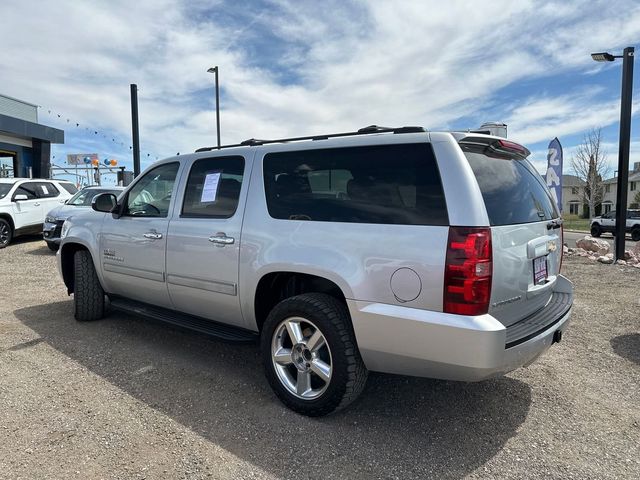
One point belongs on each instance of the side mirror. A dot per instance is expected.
(105, 202)
(20, 197)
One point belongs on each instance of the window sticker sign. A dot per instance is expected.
(210, 188)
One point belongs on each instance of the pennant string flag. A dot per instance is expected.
(115, 140)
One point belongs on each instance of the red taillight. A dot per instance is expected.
(514, 147)
(467, 273)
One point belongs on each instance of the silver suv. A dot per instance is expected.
(391, 250)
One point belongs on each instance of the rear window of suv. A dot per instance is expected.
(382, 184)
(513, 191)
(69, 187)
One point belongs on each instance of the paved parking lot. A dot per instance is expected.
(128, 398)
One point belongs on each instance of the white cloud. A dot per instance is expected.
(349, 64)
(543, 118)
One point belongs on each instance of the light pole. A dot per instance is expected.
(135, 129)
(215, 70)
(624, 143)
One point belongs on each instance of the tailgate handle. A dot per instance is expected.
(542, 246)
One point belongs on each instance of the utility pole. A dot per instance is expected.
(135, 130)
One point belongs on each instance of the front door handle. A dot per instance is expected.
(153, 235)
(37, 204)
(221, 239)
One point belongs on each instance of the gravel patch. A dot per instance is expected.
(129, 398)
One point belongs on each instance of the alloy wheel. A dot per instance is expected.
(4, 234)
(301, 358)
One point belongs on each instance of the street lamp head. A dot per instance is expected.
(212, 70)
(603, 57)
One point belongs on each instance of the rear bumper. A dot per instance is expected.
(409, 341)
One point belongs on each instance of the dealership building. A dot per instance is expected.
(25, 144)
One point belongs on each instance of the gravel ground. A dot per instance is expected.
(129, 398)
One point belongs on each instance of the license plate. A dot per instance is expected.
(539, 270)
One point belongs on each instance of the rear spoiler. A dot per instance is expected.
(495, 147)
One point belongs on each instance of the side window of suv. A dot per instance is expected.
(213, 187)
(382, 184)
(28, 189)
(151, 195)
(46, 190)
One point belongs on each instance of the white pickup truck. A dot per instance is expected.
(606, 223)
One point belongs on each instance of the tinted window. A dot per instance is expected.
(4, 189)
(47, 190)
(151, 195)
(28, 189)
(388, 184)
(513, 190)
(213, 187)
(69, 187)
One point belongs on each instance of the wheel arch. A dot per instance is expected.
(8, 218)
(273, 287)
(67, 253)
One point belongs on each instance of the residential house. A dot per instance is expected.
(611, 190)
(573, 202)
(572, 195)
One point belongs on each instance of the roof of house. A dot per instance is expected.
(571, 181)
(633, 177)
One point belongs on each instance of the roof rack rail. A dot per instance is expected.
(254, 142)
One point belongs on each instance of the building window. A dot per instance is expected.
(574, 190)
(606, 207)
(607, 189)
(573, 208)
(632, 186)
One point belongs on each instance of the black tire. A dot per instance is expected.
(348, 373)
(6, 233)
(88, 295)
(596, 230)
(635, 234)
(52, 246)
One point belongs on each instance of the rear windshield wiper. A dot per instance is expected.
(553, 224)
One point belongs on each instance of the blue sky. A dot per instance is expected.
(290, 68)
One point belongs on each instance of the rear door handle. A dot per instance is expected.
(221, 239)
(153, 235)
(37, 204)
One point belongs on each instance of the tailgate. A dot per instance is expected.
(526, 262)
(525, 227)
